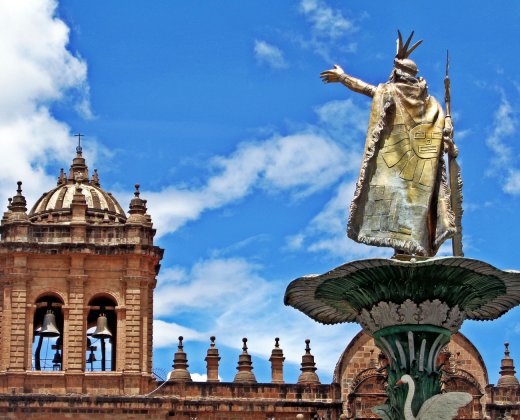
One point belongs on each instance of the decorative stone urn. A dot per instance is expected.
(411, 308)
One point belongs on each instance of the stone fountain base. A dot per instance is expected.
(411, 308)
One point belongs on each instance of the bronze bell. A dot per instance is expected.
(57, 358)
(91, 357)
(49, 328)
(102, 330)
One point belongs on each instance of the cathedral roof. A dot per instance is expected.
(59, 199)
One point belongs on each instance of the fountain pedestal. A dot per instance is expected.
(411, 308)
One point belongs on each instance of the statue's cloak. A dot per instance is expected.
(402, 198)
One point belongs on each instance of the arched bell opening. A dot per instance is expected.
(101, 335)
(47, 348)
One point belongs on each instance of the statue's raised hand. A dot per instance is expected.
(332, 75)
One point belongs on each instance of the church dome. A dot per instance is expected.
(58, 201)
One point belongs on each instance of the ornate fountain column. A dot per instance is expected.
(411, 308)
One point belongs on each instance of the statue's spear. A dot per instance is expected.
(454, 169)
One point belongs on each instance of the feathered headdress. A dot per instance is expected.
(401, 60)
(402, 50)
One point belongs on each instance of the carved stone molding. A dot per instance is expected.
(387, 314)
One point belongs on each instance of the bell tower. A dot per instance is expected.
(76, 290)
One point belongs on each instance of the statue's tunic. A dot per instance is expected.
(402, 195)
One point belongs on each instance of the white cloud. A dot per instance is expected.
(37, 70)
(310, 160)
(236, 301)
(333, 217)
(330, 29)
(325, 20)
(269, 54)
(462, 134)
(300, 163)
(199, 377)
(294, 242)
(503, 165)
(504, 125)
(196, 377)
(344, 116)
(166, 334)
(512, 184)
(211, 285)
(327, 234)
(240, 245)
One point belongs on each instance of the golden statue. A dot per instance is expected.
(402, 198)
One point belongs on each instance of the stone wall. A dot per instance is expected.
(195, 400)
(503, 403)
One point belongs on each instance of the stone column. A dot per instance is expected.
(133, 345)
(212, 360)
(145, 313)
(29, 337)
(74, 334)
(18, 324)
(121, 338)
(148, 337)
(75, 326)
(277, 360)
(5, 344)
(132, 350)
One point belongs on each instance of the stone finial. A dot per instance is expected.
(95, 178)
(277, 360)
(212, 360)
(148, 217)
(507, 370)
(18, 204)
(78, 169)
(137, 205)
(308, 375)
(62, 178)
(7, 214)
(245, 367)
(137, 208)
(180, 365)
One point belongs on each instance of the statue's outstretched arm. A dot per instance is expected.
(338, 75)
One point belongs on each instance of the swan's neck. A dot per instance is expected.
(408, 414)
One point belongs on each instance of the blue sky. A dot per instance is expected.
(247, 160)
